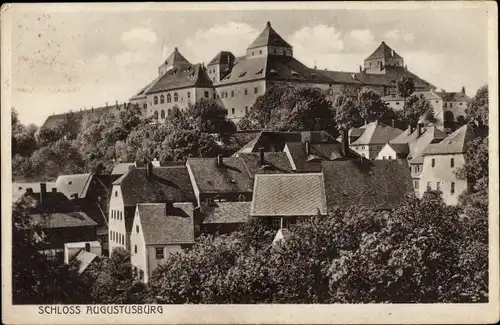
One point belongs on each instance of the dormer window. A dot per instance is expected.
(273, 71)
(295, 73)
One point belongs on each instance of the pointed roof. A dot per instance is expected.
(269, 37)
(384, 51)
(181, 77)
(176, 59)
(377, 133)
(223, 57)
(457, 142)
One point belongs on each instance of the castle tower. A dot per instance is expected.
(269, 43)
(175, 60)
(382, 58)
(220, 66)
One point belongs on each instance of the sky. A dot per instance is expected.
(70, 60)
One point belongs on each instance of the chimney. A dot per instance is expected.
(366, 121)
(87, 247)
(392, 53)
(307, 148)
(268, 24)
(261, 156)
(149, 170)
(29, 190)
(406, 67)
(345, 142)
(463, 90)
(92, 109)
(419, 129)
(116, 104)
(43, 192)
(54, 190)
(410, 129)
(360, 69)
(393, 123)
(219, 160)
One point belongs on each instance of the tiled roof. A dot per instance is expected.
(223, 57)
(74, 184)
(457, 142)
(317, 153)
(288, 195)
(62, 220)
(84, 259)
(53, 120)
(371, 184)
(19, 189)
(232, 176)
(384, 51)
(340, 76)
(429, 135)
(274, 162)
(182, 77)
(275, 141)
(453, 96)
(142, 93)
(226, 212)
(400, 149)
(176, 59)
(377, 133)
(167, 184)
(404, 137)
(269, 37)
(162, 227)
(122, 168)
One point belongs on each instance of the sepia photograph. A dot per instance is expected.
(249, 155)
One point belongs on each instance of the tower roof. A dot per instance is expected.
(269, 37)
(384, 51)
(223, 57)
(176, 59)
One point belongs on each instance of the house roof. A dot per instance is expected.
(52, 201)
(74, 184)
(453, 96)
(341, 76)
(122, 168)
(378, 184)
(377, 133)
(288, 195)
(62, 220)
(82, 244)
(404, 137)
(19, 189)
(223, 57)
(167, 184)
(274, 162)
(142, 93)
(181, 77)
(226, 212)
(430, 135)
(275, 141)
(383, 51)
(84, 259)
(232, 176)
(162, 227)
(269, 37)
(456, 142)
(400, 148)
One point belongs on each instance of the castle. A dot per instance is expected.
(236, 82)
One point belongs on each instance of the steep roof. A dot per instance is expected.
(223, 57)
(401, 149)
(430, 135)
(176, 59)
(372, 184)
(74, 184)
(275, 141)
(84, 259)
(181, 77)
(377, 133)
(226, 212)
(274, 162)
(167, 184)
(269, 37)
(122, 168)
(19, 189)
(383, 51)
(142, 93)
(288, 195)
(162, 227)
(62, 220)
(457, 142)
(340, 76)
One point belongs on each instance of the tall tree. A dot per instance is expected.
(405, 87)
(371, 106)
(346, 113)
(477, 109)
(417, 109)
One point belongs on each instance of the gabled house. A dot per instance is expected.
(144, 185)
(283, 199)
(441, 162)
(19, 189)
(222, 217)
(159, 230)
(374, 137)
(121, 169)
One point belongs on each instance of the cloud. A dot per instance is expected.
(318, 39)
(396, 35)
(206, 43)
(137, 37)
(133, 57)
(392, 34)
(364, 36)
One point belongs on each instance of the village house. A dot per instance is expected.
(441, 162)
(71, 250)
(222, 217)
(284, 199)
(144, 185)
(159, 230)
(373, 138)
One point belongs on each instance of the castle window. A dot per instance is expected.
(162, 114)
(437, 101)
(452, 189)
(256, 90)
(176, 97)
(246, 91)
(155, 100)
(145, 106)
(433, 162)
(207, 95)
(162, 99)
(260, 51)
(232, 93)
(169, 98)
(232, 110)
(155, 115)
(429, 186)
(445, 105)
(189, 94)
(451, 105)
(397, 103)
(415, 184)
(215, 95)
(135, 249)
(452, 162)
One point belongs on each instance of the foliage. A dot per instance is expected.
(372, 107)
(182, 144)
(346, 113)
(207, 116)
(477, 109)
(405, 87)
(417, 110)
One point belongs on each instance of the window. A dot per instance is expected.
(162, 114)
(256, 90)
(260, 51)
(276, 223)
(246, 91)
(189, 94)
(397, 103)
(246, 109)
(162, 99)
(155, 100)
(461, 103)
(433, 162)
(389, 157)
(452, 189)
(141, 274)
(428, 186)
(116, 193)
(169, 98)
(176, 97)
(135, 249)
(383, 158)
(437, 101)
(232, 110)
(232, 93)
(452, 162)
(207, 95)
(137, 228)
(253, 53)
(445, 104)
(437, 186)
(159, 253)
(451, 105)
(145, 106)
(155, 115)
(415, 184)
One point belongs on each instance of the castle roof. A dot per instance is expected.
(177, 59)
(181, 77)
(269, 37)
(223, 57)
(453, 96)
(53, 120)
(384, 51)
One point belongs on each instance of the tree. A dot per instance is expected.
(371, 106)
(182, 144)
(417, 109)
(477, 108)
(405, 87)
(346, 113)
(208, 116)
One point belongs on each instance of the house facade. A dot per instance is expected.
(373, 138)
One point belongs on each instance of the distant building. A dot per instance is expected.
(373, 138)
(441, 162)
(159, 230)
